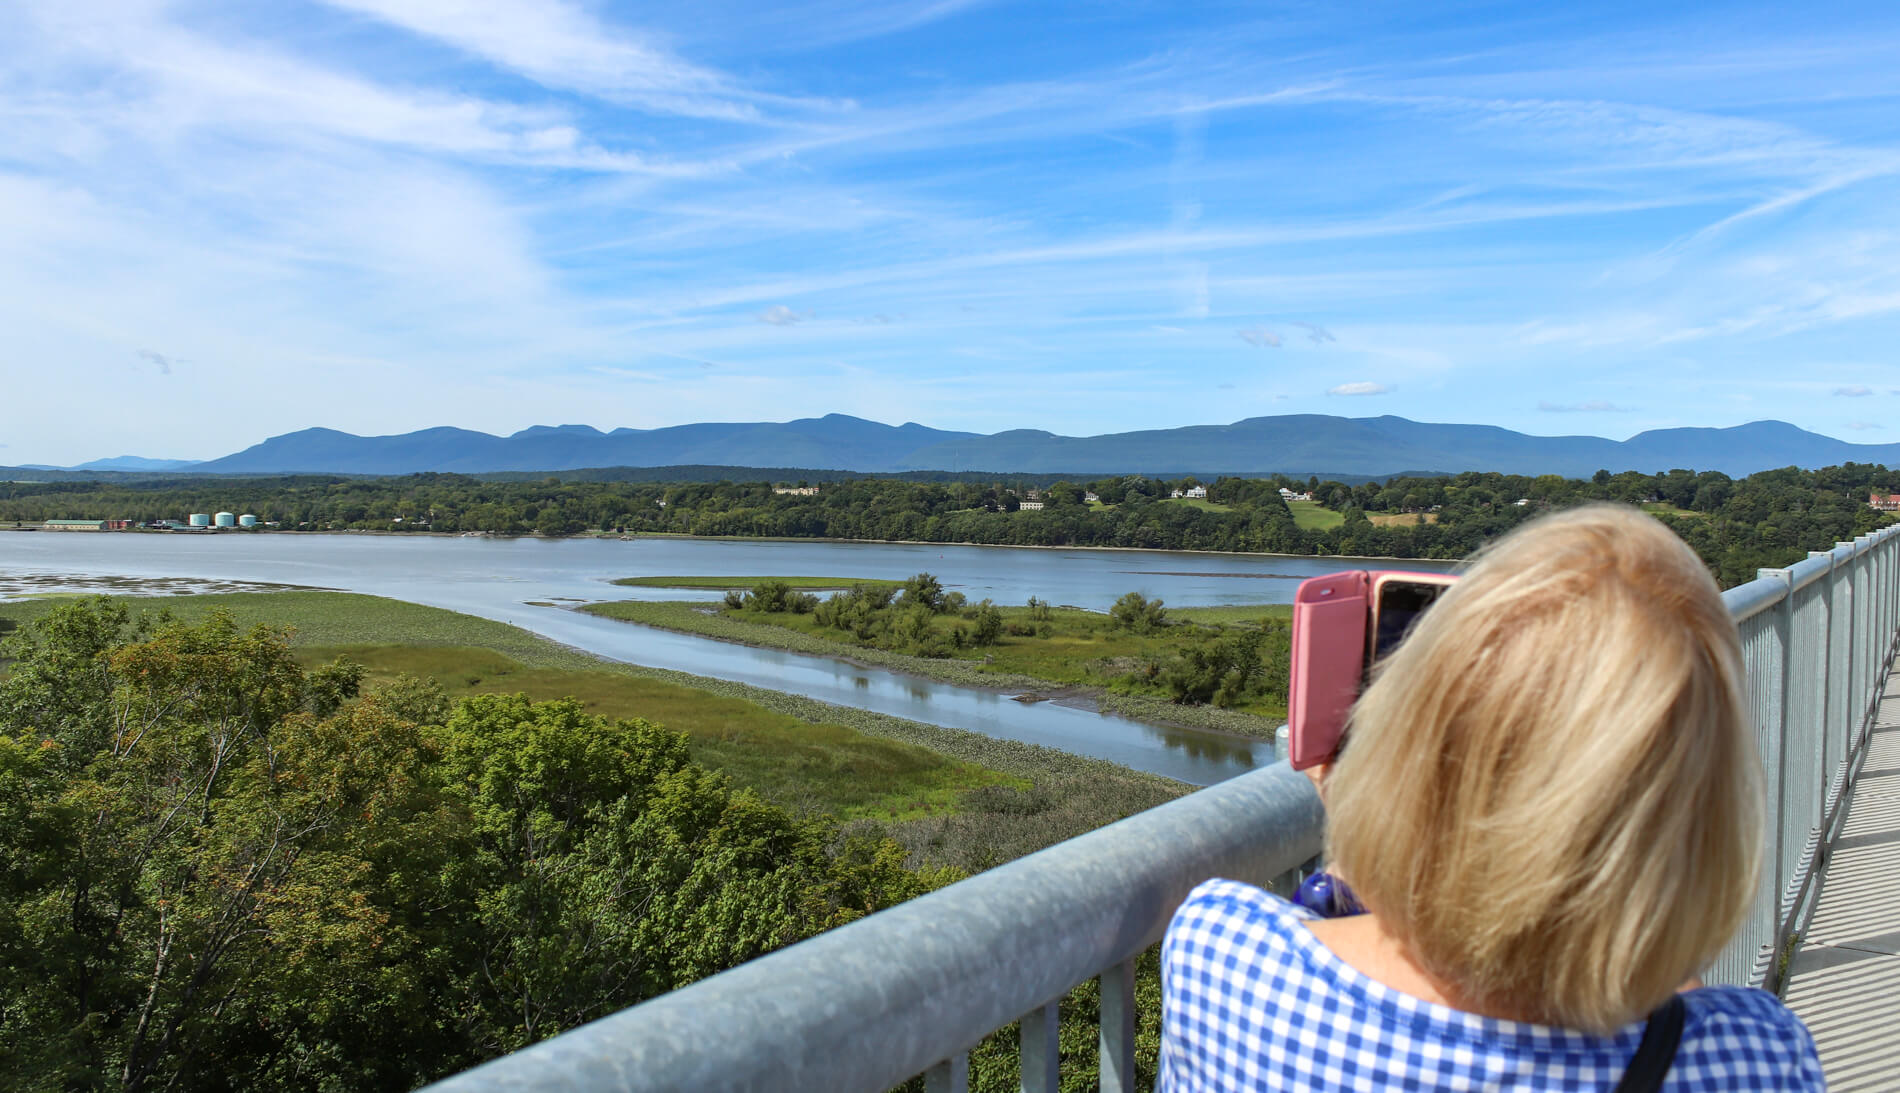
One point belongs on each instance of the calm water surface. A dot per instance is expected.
(496, 579)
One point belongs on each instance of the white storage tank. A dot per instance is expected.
(227, 520)
(201, 519)
(247, 521)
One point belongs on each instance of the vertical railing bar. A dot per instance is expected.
(1042, 1054)
(1784, 623)
(1117, 1039)
(1825, 694)
(1872, 652)
(950, 1076)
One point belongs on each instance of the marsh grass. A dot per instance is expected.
(344, 618)
(810, 767)
(1248, 614)
(1074, 652)
(952, 797)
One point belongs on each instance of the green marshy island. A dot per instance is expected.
(1223, 668)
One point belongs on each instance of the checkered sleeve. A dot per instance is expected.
(1736, 1038)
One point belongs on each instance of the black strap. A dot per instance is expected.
(1650, 1065)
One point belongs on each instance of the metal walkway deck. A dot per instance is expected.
(1845, 978)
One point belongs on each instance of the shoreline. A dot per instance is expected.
(983, 546)
(636, 536)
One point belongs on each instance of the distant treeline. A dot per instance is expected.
(1737, 525)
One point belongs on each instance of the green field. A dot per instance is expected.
(1664, 508)
(1197, 503)
(1233, 614)
(952, 797)
(1312, 516)
(718, 583)
(341, 618)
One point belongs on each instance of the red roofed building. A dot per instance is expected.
(1884, 502)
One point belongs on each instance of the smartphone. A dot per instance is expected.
(1342, 624)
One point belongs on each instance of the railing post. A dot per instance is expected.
(1813, 853)
(1775, 784)
(1117, 1039)
(1042, 1051)
(1885, 599)
(1840, 683)
(950, 1076)
(1870, 655)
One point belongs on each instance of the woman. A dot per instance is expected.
(1550, 808)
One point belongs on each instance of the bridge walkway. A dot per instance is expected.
(1844, 980)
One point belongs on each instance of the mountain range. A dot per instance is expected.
(134, 463)
(1296, 444)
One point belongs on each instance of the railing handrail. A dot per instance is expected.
(875, 1002)
(870, 1004)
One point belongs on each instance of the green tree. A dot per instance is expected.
(987, 624)
(1138, 613)
(922, 590)
(1225, 671)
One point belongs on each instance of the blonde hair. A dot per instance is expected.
(1549, 793)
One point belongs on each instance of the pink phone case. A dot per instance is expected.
(1330, 615)
(1332, 619)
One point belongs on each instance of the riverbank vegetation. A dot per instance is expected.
(1147, 660)
(223, 870)
(233, 858)
(1736, 525)
(953, 798)
(742, 583)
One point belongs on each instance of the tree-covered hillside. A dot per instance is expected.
(220, 871)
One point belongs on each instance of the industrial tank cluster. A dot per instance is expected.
(222, 520)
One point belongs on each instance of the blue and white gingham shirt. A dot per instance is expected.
(1251, 1000)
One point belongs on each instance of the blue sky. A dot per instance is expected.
(224, 221)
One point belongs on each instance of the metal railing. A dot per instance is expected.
(1818, 641)
(910, 990)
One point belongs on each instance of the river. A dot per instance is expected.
(501, 579)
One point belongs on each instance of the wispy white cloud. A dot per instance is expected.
(508, 201)
(1361, 387)
(1857, 390)
(180, 82)
(1862, 426)
(792, 26)
(780, 315)
(560, 45)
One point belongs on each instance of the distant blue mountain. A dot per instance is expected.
(1299, 444)
(135, 463)
(834, 441)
